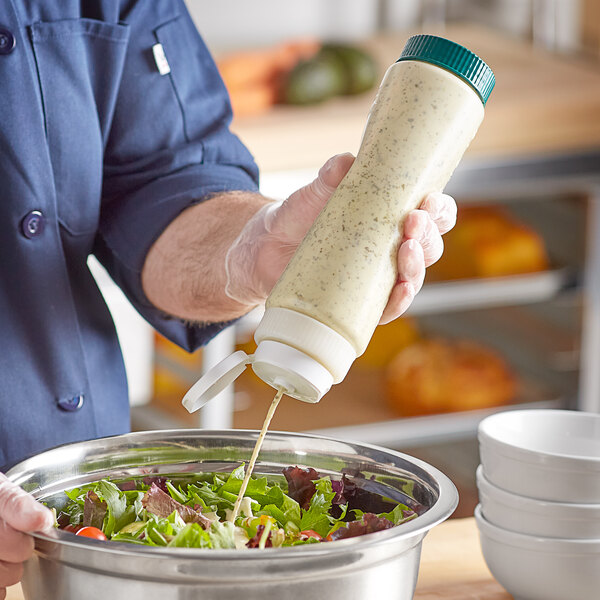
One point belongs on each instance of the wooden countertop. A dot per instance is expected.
(542, 104)
(452, 566)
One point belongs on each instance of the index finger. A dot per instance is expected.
(20, 510)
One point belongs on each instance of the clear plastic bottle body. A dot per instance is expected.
(420, 124)
(330, 298)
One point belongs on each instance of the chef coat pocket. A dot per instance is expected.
(197, 84)
(79, 64)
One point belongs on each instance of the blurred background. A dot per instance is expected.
(555, 23)
(511, 314)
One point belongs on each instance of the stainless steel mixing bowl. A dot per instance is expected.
(379, 565)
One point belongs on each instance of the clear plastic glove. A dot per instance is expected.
(19, 515)
(261, 252)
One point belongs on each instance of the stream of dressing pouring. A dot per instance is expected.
(213, 382)
(254, 457)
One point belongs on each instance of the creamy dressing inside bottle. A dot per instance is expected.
(330, 298)
(421, 123)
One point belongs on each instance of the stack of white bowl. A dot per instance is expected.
(539, 502)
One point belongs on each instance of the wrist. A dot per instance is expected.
(184, 274)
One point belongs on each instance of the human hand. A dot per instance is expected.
(259, 256)
(421, 246)
(262, 251)
(19, 514)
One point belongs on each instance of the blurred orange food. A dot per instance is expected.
(489, 242)
(253, 77)
(387, 341)
(439, 376)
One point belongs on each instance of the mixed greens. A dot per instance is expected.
(304, 508)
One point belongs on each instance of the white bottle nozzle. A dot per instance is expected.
(280, 366)
(284, 367)
(306, 374)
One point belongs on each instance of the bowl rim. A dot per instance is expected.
(534, 505)
(486, 436)
(538, 543)
(444, 506)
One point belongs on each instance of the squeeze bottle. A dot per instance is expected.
(323, 311)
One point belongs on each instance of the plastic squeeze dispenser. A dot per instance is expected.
(323, 311)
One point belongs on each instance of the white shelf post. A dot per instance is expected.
(218, 413)
(589, 379)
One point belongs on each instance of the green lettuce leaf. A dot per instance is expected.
(210, 499)
(177, 494)
(317, 516)
(117, 505)
(222, 535)
(399, 514)
(192, 536)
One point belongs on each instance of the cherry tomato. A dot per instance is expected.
(72, 528)
(308, 533)
(91, 532)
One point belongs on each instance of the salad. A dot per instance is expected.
(305, 508)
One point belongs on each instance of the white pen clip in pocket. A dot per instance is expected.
(160, 58)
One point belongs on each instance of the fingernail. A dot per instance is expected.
(46, 517)
(410, 268)
(418, 224)
(434, 204)
(329, 164)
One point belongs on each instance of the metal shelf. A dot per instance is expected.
(484, 293)
(420, 431)
(467, 294)
(413, 431)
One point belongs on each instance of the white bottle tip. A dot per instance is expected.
(284, 367)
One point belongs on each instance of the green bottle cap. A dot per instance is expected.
(454, 58)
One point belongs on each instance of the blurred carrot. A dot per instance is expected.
(247, 68)
(252, 99)
(290, 53)
(253, 77)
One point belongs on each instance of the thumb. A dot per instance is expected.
(299, 211)
(19, 509)
(330, 175)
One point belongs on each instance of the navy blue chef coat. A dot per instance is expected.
(98, 153)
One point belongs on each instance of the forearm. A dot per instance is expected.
(184, 273)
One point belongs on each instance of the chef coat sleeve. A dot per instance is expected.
(169, 147)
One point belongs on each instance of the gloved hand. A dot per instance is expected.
(261, 252)
(19, 514)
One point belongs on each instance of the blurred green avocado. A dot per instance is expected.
(335, 70)
(359, 67)
(314, 80)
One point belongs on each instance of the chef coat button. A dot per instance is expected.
(33, 224)
(7, 41)
(72, 403)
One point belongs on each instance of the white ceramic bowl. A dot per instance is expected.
(538, 568)
(544, 454)
(536, 517)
